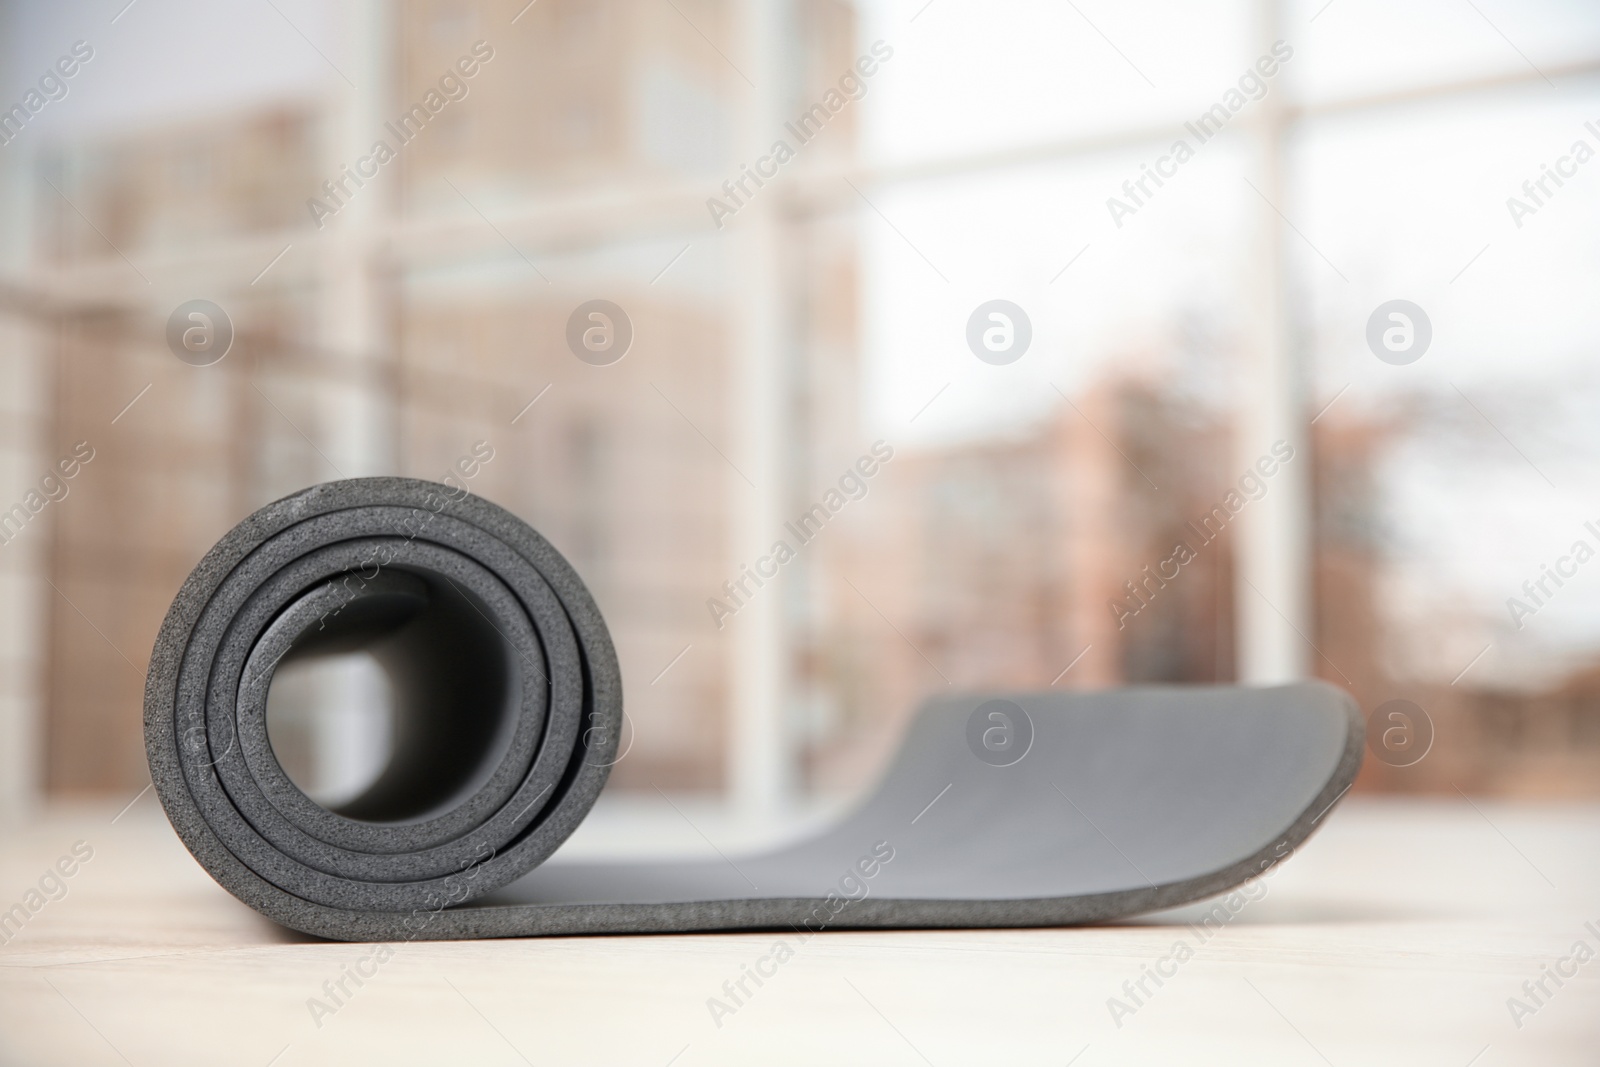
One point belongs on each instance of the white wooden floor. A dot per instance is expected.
(1396, 936)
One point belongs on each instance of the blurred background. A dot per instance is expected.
(398, 311)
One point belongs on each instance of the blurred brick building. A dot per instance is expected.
(618, 466)
(417, 325)
(999, 563)
(1488, 738)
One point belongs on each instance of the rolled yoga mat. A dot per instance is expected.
(1019, 809)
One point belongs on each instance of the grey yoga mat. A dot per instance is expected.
(1001, 809)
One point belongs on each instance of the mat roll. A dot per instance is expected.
(1001, 809)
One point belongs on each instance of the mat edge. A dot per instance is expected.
(746, 915)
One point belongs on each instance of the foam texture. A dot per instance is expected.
(1000, 809)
